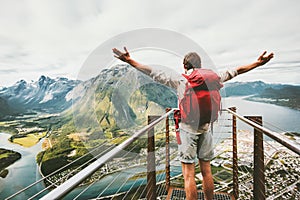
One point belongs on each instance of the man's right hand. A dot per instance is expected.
(121, 55)
(126, 58)
(262, 59)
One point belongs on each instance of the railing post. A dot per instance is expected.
(167, 152)
(151, 170)
(259, 167)
(234, 156)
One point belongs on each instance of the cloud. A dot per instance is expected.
(7, 71)
(55, 37)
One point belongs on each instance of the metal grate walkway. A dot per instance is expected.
(179, 194)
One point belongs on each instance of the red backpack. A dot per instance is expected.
(202, 100)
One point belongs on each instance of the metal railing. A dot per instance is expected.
(274, 135)
(259, 188)
(70, 184)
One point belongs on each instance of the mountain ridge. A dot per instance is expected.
(279, 94)
(44, 95)
(55, 95)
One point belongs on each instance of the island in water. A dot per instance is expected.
(7, 157)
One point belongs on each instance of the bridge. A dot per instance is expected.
(258, 163)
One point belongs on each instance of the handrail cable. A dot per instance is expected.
(70, 173)
(64, 188)
(124, 182)
(158, 164)
(276, 136)
(126, 193)
(132, 187)
(274, 126)
(145, 187)
(118, 191)
(222, 127)
(158, 190)
(90, 185)
(99, 195)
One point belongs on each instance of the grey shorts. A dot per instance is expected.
(195, 146)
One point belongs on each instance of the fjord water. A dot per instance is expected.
(283, 119)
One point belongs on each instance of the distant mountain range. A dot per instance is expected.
(45, 95)
(280, 94)
(249, 88)
(121, 92)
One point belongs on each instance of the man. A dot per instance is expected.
(194, 143)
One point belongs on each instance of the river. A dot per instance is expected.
(24, 172)
(119, 182)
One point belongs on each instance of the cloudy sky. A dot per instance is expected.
(56, 37)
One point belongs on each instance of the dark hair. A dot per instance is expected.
(192, 60)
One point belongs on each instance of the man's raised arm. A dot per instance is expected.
(262, 59)
(125, 57)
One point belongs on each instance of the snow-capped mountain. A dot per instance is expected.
(45, 94)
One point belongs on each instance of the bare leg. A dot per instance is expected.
(188, 170)
(208, 183)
